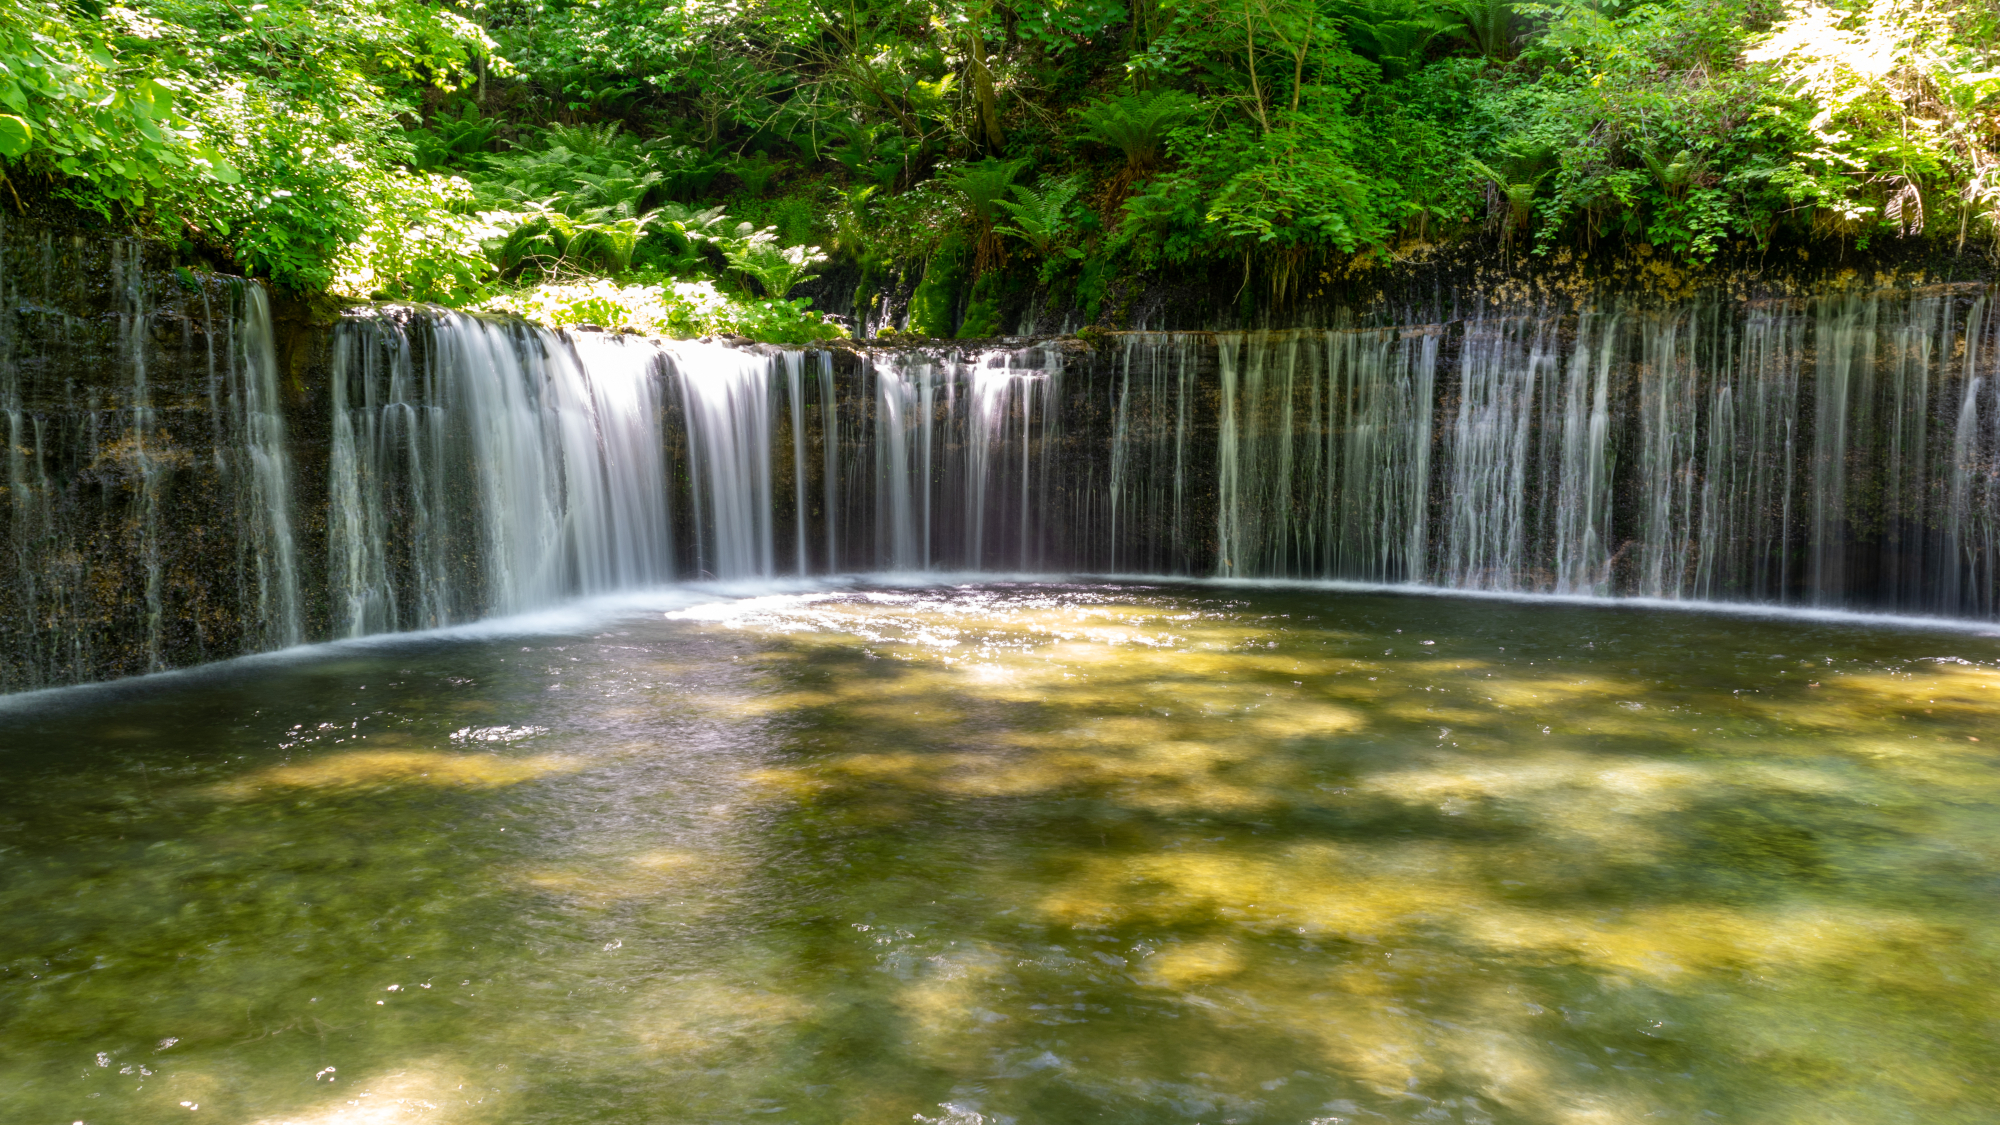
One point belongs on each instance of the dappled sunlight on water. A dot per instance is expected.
(360, 768)
(421, 1093)
(1039, 853)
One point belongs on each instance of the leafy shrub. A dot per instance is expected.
(778, 269)
(1903, 101)
(1137, 124)
(1042, 219)
(677, 309)
(419, 244)
(123, 134)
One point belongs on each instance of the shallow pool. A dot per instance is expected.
(1032, 853)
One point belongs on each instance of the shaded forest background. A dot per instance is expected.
(679, 168)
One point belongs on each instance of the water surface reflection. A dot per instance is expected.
(1027, 852)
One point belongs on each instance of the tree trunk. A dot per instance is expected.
(982, 89)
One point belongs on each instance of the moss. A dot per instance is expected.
(934, 306)
(982, 316)
(1098, 274)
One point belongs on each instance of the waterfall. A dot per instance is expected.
(1147, 500)
(1580, 521)
(43, 595)
(1501, 364)
(147, 485)
(727, 393)
(483, 467)
(903, 439)
(1839, 450)
(1843, 362)
(1383, 389)
(830, 467)
(134, 323)
(266, 549)
(795, 396)
(1671, 366)
(1010, 430)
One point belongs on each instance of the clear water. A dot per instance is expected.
(1019, 852)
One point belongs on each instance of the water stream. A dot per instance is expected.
(1837, 452)
(1014, 852)
(1840, 451)
(605, 804)
(109, 475)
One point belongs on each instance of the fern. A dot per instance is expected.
(1137, 124)
(756, 172)
(1678, 174)
(756, 253)
(1041, 218)
(1525, 167)
(1488, 25)
(985, 184)
(589, 141)
(1395, 33)
(874, 153)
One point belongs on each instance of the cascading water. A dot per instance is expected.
(1324, 451)
(1834, 451)
(1011, 424)
(147, 512)
(1838, 452)
(259, 456)
(728, 410)
(1829, 452)
(1147, 495)
(134, 321)
(504, 469)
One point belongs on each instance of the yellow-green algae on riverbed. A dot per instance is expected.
(1021, 852)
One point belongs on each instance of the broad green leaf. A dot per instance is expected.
(16, 135)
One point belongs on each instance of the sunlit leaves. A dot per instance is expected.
(1892, 93)
(680, 309)
(15, 135)
(777, 268)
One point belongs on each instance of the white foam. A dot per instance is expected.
(718, 601)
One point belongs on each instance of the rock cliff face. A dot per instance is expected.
(146, 478)
(188, 475)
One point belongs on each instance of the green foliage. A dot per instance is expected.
(776, 268)
(1395, 34)
(1488, 26)
(1136, 124)
(678, 309)
(453, 140)
(1042, 219)
(449, 150)
(984, 185)
(1295, 186)
(270, 131)
(875, 153)
(419, 244)
(1523, 165)
(756, 171)
(575, 169)
(80, 108)
(983, 311)
(1908, 102)
(934, 304)
(1064, 25)
(682, 233)
(16, 135)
